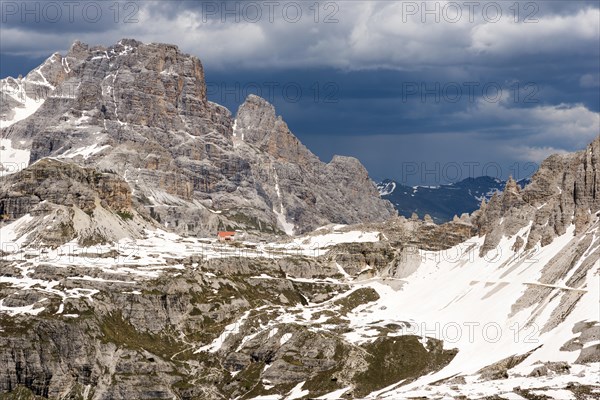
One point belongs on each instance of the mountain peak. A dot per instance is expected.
(132, 42)
(78, 48)
(562, 193)
(512, 186)
(257, 123)
(483, 204)
(141, 110)
(255, 119)
(258, 101)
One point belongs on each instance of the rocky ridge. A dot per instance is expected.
(563, 192)
(140, 111)
(63, 202)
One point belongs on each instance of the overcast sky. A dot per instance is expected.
(421, 92)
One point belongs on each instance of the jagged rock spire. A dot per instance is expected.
(512, 186)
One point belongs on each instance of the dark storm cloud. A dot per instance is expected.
(67, 16)
(11, 65)
(377, 80)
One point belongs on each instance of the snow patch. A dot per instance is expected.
(12, 160)
(20, 310)
(387, 188)
(297, 392)
(285, 338)
(230, 329)
(287, 227)
(28, 107)
(85, 152)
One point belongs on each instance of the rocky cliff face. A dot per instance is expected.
(62, 202)
(303, 191)
(140, 110)
(564, 191)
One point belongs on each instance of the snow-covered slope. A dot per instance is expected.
(482, 306)
(12, 160)
(492, 308)
(21, 98)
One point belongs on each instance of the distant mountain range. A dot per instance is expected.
(442, 202)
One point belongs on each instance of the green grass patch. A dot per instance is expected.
(120, 332)
(392, 359)
(125, 215)
(20, 393)
(357, 298)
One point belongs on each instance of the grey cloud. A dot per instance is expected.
(373, 35)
